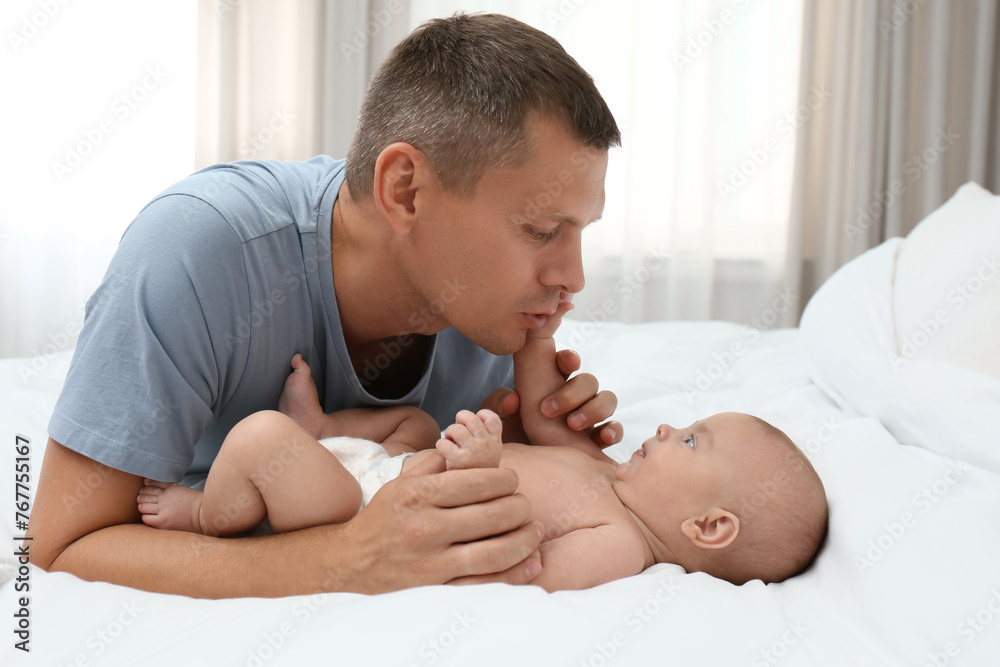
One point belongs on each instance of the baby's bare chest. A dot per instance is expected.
(567, 492)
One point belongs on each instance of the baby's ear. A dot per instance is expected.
(716, 529)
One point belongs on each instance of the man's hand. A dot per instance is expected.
(579, 400)
(430, 526)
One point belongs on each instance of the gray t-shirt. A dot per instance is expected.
(215, 285)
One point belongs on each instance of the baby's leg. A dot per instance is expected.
(300, 400)
(268, 465)
(473, 441)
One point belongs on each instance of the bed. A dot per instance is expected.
(891, 385)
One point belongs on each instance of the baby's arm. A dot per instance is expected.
(536, 377)
(588, 557)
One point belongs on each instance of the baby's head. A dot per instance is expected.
(729, 495)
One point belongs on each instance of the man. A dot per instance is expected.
(406, 275)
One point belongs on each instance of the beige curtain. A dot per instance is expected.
(914, 88)
(284, 79)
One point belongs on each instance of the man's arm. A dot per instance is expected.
(422, 528)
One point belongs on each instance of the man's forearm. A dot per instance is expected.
(166, 561)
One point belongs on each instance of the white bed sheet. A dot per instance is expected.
(909, 574)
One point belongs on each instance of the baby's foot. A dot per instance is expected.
(170, 506)
(473, 441)
(553, 321)
(300, 400)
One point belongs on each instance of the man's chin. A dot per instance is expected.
(496, 343)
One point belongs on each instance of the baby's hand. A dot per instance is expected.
(473, 441)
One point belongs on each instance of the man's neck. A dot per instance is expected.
(375, 301)
(373, 294)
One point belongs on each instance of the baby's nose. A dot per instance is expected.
(663, 432)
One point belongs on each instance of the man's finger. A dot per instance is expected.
(607, 434)
(568, 362)
(577, 395)
(456, 488)
(594, 411)
(483, 520)
(512, 558)
(432, 464)
(505, 402)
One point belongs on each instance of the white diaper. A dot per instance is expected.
(367, 461)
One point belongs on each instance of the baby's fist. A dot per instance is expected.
(473, 441)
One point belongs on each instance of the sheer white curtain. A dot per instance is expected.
(915, 89)
(97, 117)
(285, 80)
(697, 197)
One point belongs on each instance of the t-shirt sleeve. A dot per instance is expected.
(156, 355)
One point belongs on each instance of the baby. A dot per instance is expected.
(729, 495)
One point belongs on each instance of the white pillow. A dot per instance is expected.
(947, 284)
(851, 340)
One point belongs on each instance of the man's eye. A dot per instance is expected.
(689, 441)
(539, 235)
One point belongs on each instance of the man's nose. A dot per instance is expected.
(565, 269)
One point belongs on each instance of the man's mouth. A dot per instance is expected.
(536, 320)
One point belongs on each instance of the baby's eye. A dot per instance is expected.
(689, 441)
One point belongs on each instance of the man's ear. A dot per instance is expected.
(714, 530)
(400, 173)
